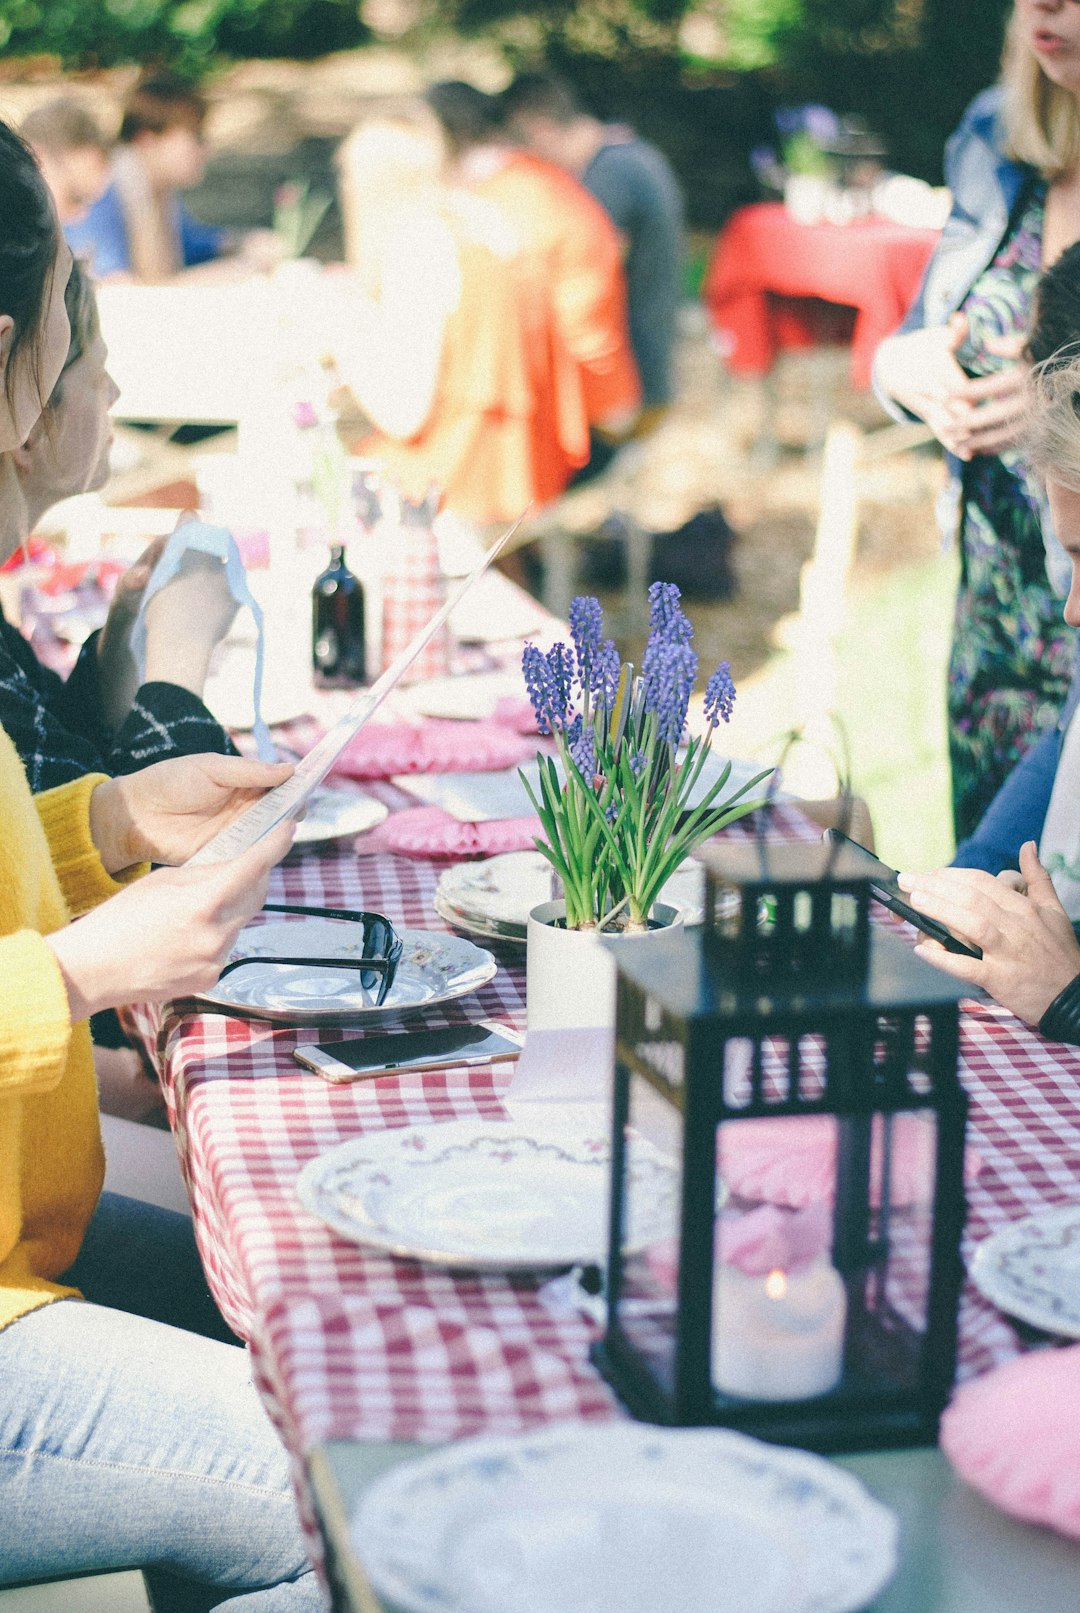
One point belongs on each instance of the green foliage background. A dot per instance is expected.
(908, 66)
(187, 34)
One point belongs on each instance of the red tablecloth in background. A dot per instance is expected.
(769, 277)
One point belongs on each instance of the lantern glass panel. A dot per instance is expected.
(823, 1234)
(650, 1266)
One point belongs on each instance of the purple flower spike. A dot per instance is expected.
(606, 672)
(637, 763)
(667, 619)
(719, 695)
(583, 751)
(534, 671)
(586, 626)
(547, 683)
(669, 672)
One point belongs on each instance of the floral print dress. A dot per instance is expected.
(1012, 653)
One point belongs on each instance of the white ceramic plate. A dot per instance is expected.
(504, 890)
(618, 1518)
(433, 969)
(521, 1195)
(471, 697)
(333, 812)
(1031, 1270)
(514, 937)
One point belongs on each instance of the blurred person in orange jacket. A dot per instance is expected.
(572, 240)
(443, 334)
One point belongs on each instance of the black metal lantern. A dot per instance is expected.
(799, 1065)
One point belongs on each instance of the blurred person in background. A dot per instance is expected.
(72, 153)
(957, 363)
(441, 333)
(569, 239)
(635, 185)
(139, 228)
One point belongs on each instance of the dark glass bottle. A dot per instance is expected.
(337, 624)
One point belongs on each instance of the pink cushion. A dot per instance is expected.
(1014, 1435)
(791, 1161)
(516, 714)
(431, 832)
(381, 750)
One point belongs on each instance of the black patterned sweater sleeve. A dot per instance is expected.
(60, 732)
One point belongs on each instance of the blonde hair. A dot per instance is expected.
(1041, 120)
(395, 154)
(1053, 424)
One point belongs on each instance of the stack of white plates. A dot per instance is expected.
(493, 899)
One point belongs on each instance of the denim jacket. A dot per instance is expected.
(986, 187)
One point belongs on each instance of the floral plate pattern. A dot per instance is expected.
(488, 1195)
(613, 1517)
(1031, 1270)
(434, 969)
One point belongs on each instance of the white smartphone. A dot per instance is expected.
(483, 1042)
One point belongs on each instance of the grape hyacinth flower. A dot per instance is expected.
(586, 628)
(548, 681)
(614, 800)
(583, 751)
(719, 695)
(669, 680)
(605, 675)
(667, 619)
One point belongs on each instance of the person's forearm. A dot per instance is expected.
(1061, 1021)
(90, 975)
(183, 661)
(111, 828)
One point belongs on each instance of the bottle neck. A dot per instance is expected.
(337, 556)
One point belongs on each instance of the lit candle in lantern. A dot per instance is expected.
(779, 1307)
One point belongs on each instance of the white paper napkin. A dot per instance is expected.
(199, 537)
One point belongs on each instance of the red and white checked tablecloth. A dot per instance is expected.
(352, 1343)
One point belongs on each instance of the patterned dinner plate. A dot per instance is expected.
(434, 969)
(488, 1195)
(1031, 1270)
(498, 894)
(613, 1517)
(332, 813)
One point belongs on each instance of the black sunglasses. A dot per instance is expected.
(380, 951)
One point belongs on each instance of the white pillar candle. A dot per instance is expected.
(779, 1335)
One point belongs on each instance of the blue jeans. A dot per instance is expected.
(128, 1443)
(1016, 813)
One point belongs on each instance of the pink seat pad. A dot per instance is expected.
(1014, 1435)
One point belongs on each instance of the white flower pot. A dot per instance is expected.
(570, 974)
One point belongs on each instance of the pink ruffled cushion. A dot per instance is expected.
(431, 832)
(1014, 1435)
(791, 1161)
(517, 714)
(381, 750)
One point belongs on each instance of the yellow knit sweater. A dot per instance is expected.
(51, 1158)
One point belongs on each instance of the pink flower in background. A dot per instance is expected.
(305, 416)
